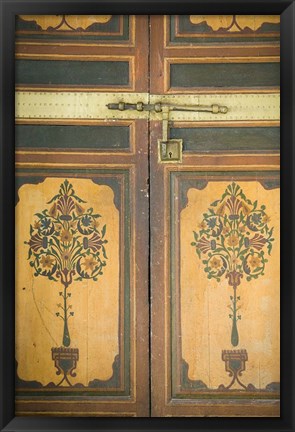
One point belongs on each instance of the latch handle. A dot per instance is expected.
(159, 106)
(139, 106)
(169, 150)
(214, 108)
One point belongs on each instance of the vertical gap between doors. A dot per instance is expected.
(149, 228)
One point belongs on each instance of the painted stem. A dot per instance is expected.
(234, 331)
(66, 335)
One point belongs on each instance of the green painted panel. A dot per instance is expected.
(225, 75)
(95, 73)
(77, 137)
(228, 139)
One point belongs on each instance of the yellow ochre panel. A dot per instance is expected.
(92, 302)
(207, 303)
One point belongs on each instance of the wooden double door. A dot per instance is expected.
(147, 209)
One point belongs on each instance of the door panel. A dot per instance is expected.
(103, 50)
(203, 30)
(93, 177)
(215, 275)
(200, 283)
(81, 191)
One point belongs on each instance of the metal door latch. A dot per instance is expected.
(169, 150)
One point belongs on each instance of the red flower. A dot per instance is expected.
(234, 278)
(95, 242)
(36, 242)
(65, 205)
(258, 241)
(204, 245)
(234, 205)
(53, 210)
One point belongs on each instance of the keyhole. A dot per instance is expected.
(170, 155)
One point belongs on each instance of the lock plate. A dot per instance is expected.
(170, 151)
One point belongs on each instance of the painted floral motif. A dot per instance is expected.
(66, 22)
(235, 23)
(67, 244)
(233, 238)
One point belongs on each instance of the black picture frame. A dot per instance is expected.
(10, 8)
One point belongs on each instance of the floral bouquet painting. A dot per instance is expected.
(233, 241)
(66, 244)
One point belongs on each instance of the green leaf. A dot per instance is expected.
(53, 199)
(214, 204)
(193, 244)
(243, 252)
(78, 199)
(103, 231)
(224, 195)
(104, 252)
(257, 269)
(30, 253)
